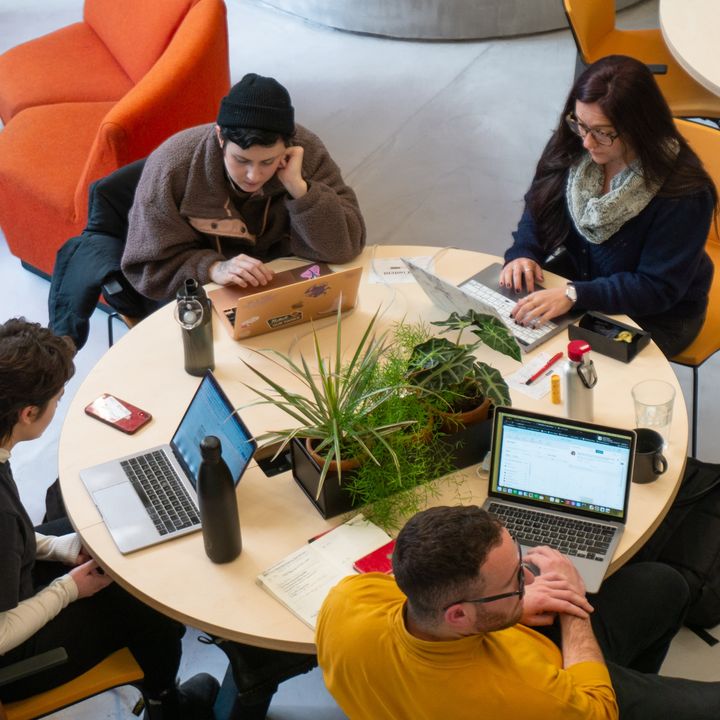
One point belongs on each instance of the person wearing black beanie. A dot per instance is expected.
(217, 202)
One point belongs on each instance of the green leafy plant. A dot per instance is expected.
(390, 491)
(450, 373)
(340, 404)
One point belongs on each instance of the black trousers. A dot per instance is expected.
(92, 628)
(638, 611)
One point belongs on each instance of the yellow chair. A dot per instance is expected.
(705, 141)
(118, 669)
(593, 27)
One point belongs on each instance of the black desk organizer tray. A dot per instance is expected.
(602, 333)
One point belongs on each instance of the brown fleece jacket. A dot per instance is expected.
(187, 215)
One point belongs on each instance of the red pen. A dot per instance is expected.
(544, 368)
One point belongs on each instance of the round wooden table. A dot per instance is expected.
(687, 27)
(146, 368)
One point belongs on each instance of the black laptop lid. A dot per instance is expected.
(211, 413)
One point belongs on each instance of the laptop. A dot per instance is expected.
(150, 496)
(562, 483)
(482, 293)
(292, 297)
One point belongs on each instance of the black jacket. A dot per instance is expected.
(89, 264)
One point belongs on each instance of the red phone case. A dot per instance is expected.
(106, 409)
(379, 560)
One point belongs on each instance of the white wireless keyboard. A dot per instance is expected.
(503, 306)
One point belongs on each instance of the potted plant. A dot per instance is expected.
(455, 382)
(337, 414)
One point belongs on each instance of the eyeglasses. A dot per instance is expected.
(520, 592)
(581, 130)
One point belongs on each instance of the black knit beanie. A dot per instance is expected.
(260, 103)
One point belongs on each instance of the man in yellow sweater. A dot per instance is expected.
(450, 638)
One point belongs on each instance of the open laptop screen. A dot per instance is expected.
(560, 463)
(211, 413)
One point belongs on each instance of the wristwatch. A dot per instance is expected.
(571, 293)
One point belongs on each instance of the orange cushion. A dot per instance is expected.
(136, 31)
(69, 65)
(685, 96)
(43, 152)
(708, 341)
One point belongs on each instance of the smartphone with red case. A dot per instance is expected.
(379, 560)
(117, 413)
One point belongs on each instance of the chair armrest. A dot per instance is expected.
(32, 665)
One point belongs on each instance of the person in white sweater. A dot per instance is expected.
(52, 593)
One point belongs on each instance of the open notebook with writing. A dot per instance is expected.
(302, 580)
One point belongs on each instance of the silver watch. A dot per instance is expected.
(571, 293)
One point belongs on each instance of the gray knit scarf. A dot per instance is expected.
(598, 217)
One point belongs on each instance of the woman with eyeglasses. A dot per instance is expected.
(623, 206)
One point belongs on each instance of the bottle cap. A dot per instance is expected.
(576, 349)
(191, 286)
(210, 448)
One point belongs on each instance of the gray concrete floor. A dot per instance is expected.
(440, 141)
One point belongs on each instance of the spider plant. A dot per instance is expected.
(338, 402)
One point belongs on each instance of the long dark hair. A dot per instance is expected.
(629, 97)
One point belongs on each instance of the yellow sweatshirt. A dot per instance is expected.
(376, 670)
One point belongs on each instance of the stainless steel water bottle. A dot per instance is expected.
(218, 504)
(578, 378)
(194, 313)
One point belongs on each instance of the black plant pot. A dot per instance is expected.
(334, 499)
(469, 445)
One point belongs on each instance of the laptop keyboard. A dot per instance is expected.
(503, 306)
(159, 488)
(230, 315)
(570, 536)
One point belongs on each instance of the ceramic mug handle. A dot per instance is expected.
(659, 464)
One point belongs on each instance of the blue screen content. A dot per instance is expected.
(210, 413)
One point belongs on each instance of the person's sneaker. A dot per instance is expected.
(197, 696)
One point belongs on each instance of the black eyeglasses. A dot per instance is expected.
(581, 130)
(520, 592)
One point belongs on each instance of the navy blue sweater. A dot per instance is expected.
(655, 264)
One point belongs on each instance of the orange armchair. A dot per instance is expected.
(64, 133)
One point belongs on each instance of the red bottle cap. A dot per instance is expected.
(576, 349)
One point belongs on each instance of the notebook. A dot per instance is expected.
(150, 496)
(302, 580)
(562, 483)
(482, 293)
(292, 297)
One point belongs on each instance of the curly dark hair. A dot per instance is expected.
(35, 364)
(438, 555)
(629, 97)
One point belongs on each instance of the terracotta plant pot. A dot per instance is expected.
(345, 465)
(452, 422)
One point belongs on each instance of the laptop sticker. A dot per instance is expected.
(282, 320)
(318, 290)
(312, 272)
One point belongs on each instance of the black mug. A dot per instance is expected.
(650, 463)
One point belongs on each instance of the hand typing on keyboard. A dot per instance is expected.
(520, 273)
(558, 589)
(539, 307)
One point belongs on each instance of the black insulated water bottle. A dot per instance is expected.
(218, 504)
